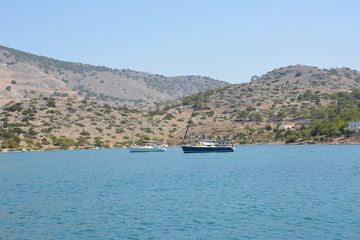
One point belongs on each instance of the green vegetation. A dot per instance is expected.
(13, 108)
(168, 116)
(334, 118)
(51, 103)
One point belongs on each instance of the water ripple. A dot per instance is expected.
(258, 192)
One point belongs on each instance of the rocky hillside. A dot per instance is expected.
(319, 104)
(25, 75)
(298, 95)
(285, 85)
(50, 123)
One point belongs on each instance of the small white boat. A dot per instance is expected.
(155, 147)
(145, 146)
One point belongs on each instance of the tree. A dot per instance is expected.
(255, 117)
(297, 74)
(308, 95)
(168, 116)
(145, 137)
(291, 139)
(51, 103)
(356, 93)
(250, 108)
(278, 134)
(84, 133)
(253, 78)
(281, 115)
(318, 113)
(243, 114)
(98, 142)
(32, 132)
(81, 141)
(14, 107)
(64, 142)
(10, 143)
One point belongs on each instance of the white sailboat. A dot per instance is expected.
(145, 146)
(153, 147)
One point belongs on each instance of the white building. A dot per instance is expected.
(286, 126)
(354, 126)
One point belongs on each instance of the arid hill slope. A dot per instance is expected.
(285, 85)
(25, 75)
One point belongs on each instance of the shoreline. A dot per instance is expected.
(255, 144)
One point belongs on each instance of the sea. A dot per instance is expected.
(256, 192)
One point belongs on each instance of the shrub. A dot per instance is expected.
(14, 107)
(71, 110)
(28, 141)
(47, 130)
(84, 133)
(81, 141)
(51, 103)
(168, 116)
(10, 143)
(64, 142)
(210, 114)
(291, 139)
(250, 108)
(32, 132)
(357, 79)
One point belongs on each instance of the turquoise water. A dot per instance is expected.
(257, 192)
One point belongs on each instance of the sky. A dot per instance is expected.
(228, 40)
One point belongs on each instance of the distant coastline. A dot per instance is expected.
(62, 105)
(335, 141)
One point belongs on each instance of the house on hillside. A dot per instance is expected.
(286, 127)
(354, 126)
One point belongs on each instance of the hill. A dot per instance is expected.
(24, 76)
(285, 85)
(247, 113)
(301, 95)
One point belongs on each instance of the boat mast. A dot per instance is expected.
(141, 130)
(202, 116)
(132, 136)
(192, 114)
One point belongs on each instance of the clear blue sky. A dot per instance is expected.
(226, 40)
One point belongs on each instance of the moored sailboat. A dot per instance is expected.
(153, 147)
(208, 146)
(204, 146)
(145, 146)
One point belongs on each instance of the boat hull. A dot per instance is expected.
(202, 149)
